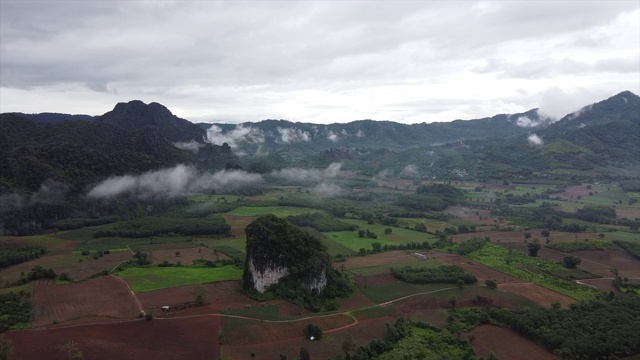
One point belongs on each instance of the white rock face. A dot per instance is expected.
(318, 283)
(271, 275)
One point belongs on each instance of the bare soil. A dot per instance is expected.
(178, 339)
(483, 217)
(186, 255)
(107, 296)
(600, 263)
(238, 224)
(388, 258)
(506, 344)
(537, 294)
(480, 271)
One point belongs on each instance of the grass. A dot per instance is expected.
(398, 236)
(28, 287)
(281, 211)
(239, 244)
(372, 312)
(534, 269)
(350, 240)
(143, 279)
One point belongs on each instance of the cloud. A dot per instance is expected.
(292, 135)
(299, 174)
(535, 140)
(328, 189)
(360, 134)
(177, 181)
(320, 62)
(409, 171)
(192, 146)
(332, 136)
(240, 134)
(526, 122)
(50, 192)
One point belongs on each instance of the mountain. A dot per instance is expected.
(137, 115)
(49, 118)
(621, 107)
(76, 152)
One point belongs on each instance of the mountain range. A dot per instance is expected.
(601, 139)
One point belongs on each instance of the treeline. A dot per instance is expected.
(36, 273)
(603, 328)
(632, 248)
(13, 256)
(158, 226)
(441, 274)
(376, 247)
(75, 223)
(321, 222)
(15, 308)
(579, 245)
(471, 245)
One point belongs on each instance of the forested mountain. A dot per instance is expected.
(136, 115)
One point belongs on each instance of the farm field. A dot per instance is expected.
(88, 311)
(106, 296)
(506, 344)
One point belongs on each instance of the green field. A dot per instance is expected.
(267, 312)
(154, 278)
(534, 269)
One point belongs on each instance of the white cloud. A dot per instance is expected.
(535, 140)
(292, 135)
(192, 146)
(235, 137)
(332, 136)
(172, 182)
(299, 174)
(409, 171)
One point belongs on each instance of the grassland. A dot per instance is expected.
(281, 211)
(119, 243)
(154, 278)
(534, 269)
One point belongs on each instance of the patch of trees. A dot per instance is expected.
(571, 262)
(15, 308)
(156, 226)
(441, 274)
(367, 233)
(471, 245)
(36, 273)
(321, 222)
(597, 214)
(579, 245)
(19, 255)
(630, 185)
(376, 247)
(603, 328)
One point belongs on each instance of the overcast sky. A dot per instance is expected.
(313, 61)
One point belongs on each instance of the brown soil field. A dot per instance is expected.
(67, 263)
(361, 333)
(376, 279)
(537, 294)
(218, 296)
(572, 192)
(56, 246)
(238, 224)
(602, 284)
(89, 266)
(356, 301)
(178, 339)
(387, 258)
(187, 255)
(506, 344)
(628, 212)
(480, 271)
(251, 332)
(602, 261)
(107, 296)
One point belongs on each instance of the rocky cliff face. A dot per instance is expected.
(265, 277)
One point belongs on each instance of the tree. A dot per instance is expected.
(545, 233)
(348, 345)
(304, 354)
(70, 350)
(533, 248)
(6, 348)
(571, 261)
(198, 292)
(178, 253)
(453, 301)
(460, 284)
(491, 284)
(313, 332)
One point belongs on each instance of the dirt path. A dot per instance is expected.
(133, 294)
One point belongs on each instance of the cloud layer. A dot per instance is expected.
(172, 182)
(406, 61)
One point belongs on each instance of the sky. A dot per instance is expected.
(317, 61)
